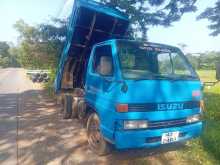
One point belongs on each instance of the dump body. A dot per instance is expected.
(90, 23)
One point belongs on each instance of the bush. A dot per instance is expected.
(49, 86)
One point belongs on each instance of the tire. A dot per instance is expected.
(75, 108)
(67, 111)
(81, 110)
(96, 141)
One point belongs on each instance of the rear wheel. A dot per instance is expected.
(67, 107)
(95, 139)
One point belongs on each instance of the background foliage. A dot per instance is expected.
(40, 46)
(204, 61)
(8, 55)
(144, 14)
(213, 15)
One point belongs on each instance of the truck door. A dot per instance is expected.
(99, 76)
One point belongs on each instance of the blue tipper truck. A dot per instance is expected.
(130, 94)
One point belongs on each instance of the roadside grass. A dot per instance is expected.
(49, 86)
(50, 89)
(207, 75)
(206, 149)
(211, 136)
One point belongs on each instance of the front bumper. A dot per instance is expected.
(152, 138)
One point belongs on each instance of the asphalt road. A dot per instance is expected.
(32, 131)
(10, 84)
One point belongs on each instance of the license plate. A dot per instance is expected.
(169, 137)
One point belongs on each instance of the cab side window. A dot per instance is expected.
(103, 61)
(164, 63)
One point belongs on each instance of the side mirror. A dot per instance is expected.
(217, 71)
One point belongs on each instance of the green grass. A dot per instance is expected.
(206, 149)
(207, 75)
(49, 86)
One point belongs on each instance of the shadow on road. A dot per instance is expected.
(45, 138)
(8, 127)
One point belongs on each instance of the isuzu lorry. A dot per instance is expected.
(130, 94)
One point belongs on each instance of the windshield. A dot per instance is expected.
(143, 61)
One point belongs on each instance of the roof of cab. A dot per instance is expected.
(154, 44)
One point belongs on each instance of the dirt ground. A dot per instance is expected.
(43, 137)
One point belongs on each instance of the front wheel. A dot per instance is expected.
(95, 139)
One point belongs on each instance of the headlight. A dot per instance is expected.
(135, 124)
(193, 119)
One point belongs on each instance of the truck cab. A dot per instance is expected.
(143, 94)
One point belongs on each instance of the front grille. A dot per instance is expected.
(149, 107)
(166, 123)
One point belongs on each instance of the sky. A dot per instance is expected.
(194, 34)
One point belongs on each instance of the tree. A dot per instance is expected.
(4, 47)
(205, 60)
(8, 57)
(40, 46)
(194, 61)
(14, 57)
(213, 15)
(182, 46)
(146, 13)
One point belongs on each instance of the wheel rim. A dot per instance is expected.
(94, 135)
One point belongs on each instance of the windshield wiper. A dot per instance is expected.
(142, 79)
(186, 77)
(165, 77)
(153, 77)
